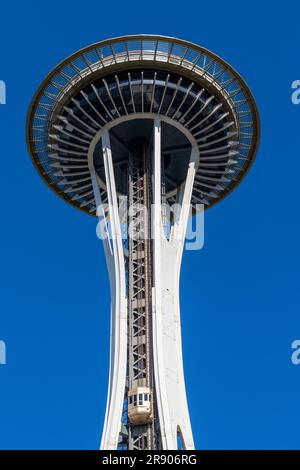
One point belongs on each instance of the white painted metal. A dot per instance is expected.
(116, 267)
(168, 364)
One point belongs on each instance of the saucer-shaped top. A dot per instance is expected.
(143, 75)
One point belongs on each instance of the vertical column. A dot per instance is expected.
(167, 351)
(116, 267)
(158, 340)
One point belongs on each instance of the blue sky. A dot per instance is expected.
(239, 295)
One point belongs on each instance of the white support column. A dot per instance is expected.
(158, 340)
(116, 267)
(168, 364)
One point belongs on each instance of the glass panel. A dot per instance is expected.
(179, 50)
(164, 46)
(106, 51)
(119, 47)
(92, 56)
(80, 63)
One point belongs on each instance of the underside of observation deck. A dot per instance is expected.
(143, 74)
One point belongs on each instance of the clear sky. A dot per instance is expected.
(239, 295)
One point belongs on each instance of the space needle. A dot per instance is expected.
(143, 122)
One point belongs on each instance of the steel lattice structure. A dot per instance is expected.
(140, 282)
(156, 121)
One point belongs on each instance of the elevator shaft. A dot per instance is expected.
(141, 415)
